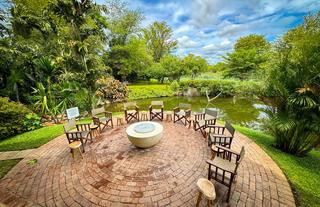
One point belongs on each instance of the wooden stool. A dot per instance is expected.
(75, 145)
(169, 116)
(207, 189)
(119, 121)
(94, 130)
(144, 116)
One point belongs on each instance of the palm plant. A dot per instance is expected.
(294, 84)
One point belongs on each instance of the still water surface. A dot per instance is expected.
(245, 112)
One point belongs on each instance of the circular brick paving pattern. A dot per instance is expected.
(115, 173)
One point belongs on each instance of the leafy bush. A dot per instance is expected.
(111, 89)
(174, 86)
(228, 87)
(12, 115)
(31, 122)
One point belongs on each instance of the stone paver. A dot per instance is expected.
(15, 154)
(115, 173)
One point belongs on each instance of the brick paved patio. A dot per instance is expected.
(114, 173)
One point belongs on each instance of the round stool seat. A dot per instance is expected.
(207, 188)
(75, 144)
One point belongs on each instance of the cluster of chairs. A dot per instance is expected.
(224, 162)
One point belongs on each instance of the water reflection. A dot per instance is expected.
(246, 112)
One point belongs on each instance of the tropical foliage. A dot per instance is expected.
(294, 85)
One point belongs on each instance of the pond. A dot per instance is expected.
(245, 112)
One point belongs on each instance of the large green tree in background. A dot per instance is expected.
(194, 65)
(249, 56)
(294, 86)
(159, 40)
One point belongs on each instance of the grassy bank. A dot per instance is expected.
(6, 165)
(302, 172)
(149, 91)
(32, 139)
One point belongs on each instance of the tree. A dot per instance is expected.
(123, 23)
(159, 40)
(194, 65)
(250, 53)
(173, 67)
(294, 85)
(128, 60)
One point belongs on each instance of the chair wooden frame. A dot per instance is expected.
(82, 132)
(219, 172)
(217, 135)
(131, 115)
(203, 120)
(154, 110)
(106, 121)
(185, 116)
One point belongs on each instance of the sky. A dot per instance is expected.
(209, 28)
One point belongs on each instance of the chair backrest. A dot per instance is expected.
(130, 105)
(211, 112)
(157, 103)
(185, 105)
(230, 128)
(68, 126)
(97, 111)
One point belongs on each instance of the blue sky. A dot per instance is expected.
(210, 27)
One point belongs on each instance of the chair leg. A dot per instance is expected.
(199, 199)
(80, 153)
(228, 196)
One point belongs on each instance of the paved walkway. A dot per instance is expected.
(15, 154)
(114, 173)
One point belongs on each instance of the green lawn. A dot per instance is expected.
(6, 165)
(32, 139)
(302, 172)
(149, 91)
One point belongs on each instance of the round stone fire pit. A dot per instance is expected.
(144, 134)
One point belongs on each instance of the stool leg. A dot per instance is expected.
(209, 203)
(72, 153)
(199, 199)
(80, 153)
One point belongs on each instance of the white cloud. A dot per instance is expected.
(186, 42)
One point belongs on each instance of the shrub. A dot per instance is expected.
(228, 87)
(174, 86)
(12, 115)
(31, 122)
(111, 89)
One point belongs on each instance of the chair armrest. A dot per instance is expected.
(176, 109)
(210, 162)
(137, 108)
(227, 149)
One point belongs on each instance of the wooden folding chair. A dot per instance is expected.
(81, 134)
(131, 111)
(223, 168)
(203, 120)
(106, 120)
(182, 113)
(156, 110)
